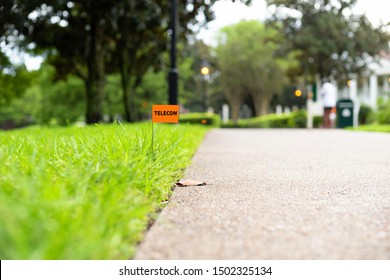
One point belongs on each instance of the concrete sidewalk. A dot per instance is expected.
(280, 194)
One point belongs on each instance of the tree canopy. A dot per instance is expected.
(113, 54)
(332, 40)
(248, 57)
(92, 38)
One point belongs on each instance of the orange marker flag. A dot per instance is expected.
(165, 113)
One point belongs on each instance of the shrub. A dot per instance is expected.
(293, 120)
(383, 114)
(372, 127)
(365, 113)
(317, 121)
(200, 118)
(298, 119)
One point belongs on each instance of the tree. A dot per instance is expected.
(92, 38)
(247, 57)
(13, 79)
(47, 102)
(70, 33)
(331, 40)
(141, 31)
(9, 21)
(13, 83)
(73, 33)
(61, 102)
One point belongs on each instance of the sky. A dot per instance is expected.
(227, 13)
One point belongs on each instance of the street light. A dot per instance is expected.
(205, 70)
(173, 72)
(298, 93)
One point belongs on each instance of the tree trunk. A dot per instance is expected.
(257, 103)
(235, 112)
(235, 99)
(264, 106)
(260, 102)
(123, 64)
(96, 76)
(128, 94)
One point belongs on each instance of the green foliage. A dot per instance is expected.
(195, 55)
(112, 102)
(86, 193)
(365, 114)
(287, 98)
(201, 118)
(13, 83)
(375, 121)
(372, 128)
(92, 39)
(62, 102)
(298, 120)
(4, 60)
(22, 111)
(46, 101)
(248, 59)
(15, 102)
(292, 120)
(317, 121)
(382, 116)
(187, 79)
(152, 90)
(329, 42)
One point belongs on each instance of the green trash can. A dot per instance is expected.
(344, 109)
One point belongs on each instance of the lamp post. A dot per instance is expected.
(173, 72)
(205, 72)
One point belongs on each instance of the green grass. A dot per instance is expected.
(86, 193)
(373, 128)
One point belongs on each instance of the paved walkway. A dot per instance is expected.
(280, 194)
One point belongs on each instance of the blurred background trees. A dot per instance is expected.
(107, 60)
(94, 39)
(250, 64)
(331, 40)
